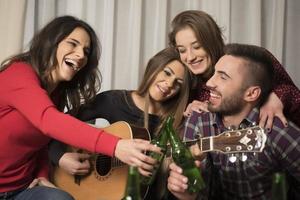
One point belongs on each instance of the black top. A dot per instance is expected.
(117, 105)
(113, 105)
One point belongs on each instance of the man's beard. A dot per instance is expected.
(230, 105)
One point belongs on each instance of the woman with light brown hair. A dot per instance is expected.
(199, 41)
(200, 44)
(163, 91)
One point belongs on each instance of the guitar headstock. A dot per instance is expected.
(250, 139)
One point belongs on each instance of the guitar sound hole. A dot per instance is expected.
(103, 165)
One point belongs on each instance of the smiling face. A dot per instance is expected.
(191, 52)
(226, 86)
(72, 55)
(167, 82)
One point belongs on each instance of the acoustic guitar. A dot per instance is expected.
(108, 176)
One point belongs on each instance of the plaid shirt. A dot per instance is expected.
(251, 179)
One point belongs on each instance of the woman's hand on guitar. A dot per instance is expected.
(197, 106)
(177, 183)
(75, 163)
(132, 152)
(41, 181)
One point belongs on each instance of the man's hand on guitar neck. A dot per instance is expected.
(132, 152)
(75, 163)
(196, 152)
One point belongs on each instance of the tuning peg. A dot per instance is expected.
(232, 127)
(232, 158)
(242, 126)
(243, 157)
(249, 147)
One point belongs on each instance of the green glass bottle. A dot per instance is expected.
(184, 159)
(132, 191)
(161, 141)
(279, 190)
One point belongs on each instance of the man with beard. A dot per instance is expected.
(240, 84)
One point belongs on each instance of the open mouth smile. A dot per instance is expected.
(73, 64)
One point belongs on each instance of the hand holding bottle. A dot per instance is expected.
(131, 152)
(184, 159)
(178, 183)
(160, 141)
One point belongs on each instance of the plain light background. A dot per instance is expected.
(131, 31)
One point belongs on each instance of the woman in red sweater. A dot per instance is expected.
(58, 72)
(199, 42)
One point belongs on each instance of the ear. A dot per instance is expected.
(252, 93)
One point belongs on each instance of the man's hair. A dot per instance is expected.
(259, 67)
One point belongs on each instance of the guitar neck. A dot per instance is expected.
(251, 139)
(205, 144)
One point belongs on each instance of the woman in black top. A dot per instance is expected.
(163, 91)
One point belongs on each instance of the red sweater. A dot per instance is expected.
(28, 119)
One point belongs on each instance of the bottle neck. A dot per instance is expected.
(163, 137)
(133, 182)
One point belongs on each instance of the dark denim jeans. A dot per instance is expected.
(35, 193)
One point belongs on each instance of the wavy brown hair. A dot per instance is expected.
(207, 32)
(42, 57)
(174, 106)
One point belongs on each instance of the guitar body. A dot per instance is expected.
(108, 176)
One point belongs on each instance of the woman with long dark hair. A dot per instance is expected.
(58, 72)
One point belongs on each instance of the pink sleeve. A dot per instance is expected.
(23, 92)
